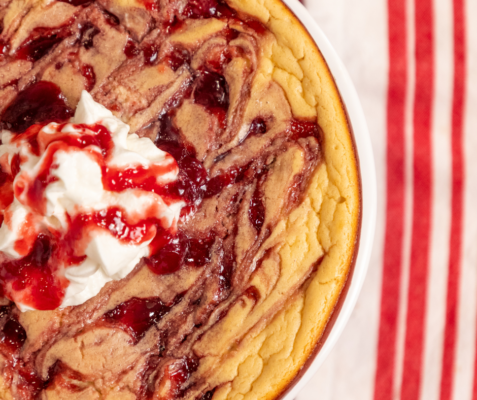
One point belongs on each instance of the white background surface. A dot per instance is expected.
(357, 29)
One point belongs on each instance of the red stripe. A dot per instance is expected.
(422, 202)
(395, 152)
(458, 176)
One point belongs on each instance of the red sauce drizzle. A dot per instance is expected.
(231, 34)
(212, 91)
(4, 177)
(178, 373)
(169, 257)
(61, 375)
(12, 338)
(12, 335)
(226, 269)
(180, 250)
(178, 57)
(257, 26)
(191, 182)
(115, 221)
(34, 189)
(10, 83)
(150, 5)
(29, 383)
(150, 54)
(168, 139)
(130, 49)
(90, 77)
(137, 177)
(216, 184)
(199, 250)
(257, 127)
(40, 42)
(101, 138)
(136, 316)
(208, 9)
(253, 294)
(173, 25)
(41, 102)
(15, 167)
(302, 129)
(31, 137)
(256, 212)
(6, 188)
(217, 59)
(35, 273)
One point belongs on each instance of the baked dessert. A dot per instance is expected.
(180, 199)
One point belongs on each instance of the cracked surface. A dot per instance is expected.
(248, 345)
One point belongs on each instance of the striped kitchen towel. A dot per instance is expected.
(412, 335)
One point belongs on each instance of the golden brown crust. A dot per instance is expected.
(326, 224)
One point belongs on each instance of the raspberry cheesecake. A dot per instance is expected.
(179, 199)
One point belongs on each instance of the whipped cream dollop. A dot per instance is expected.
(86, 206)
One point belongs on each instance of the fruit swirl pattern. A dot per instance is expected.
(184, 74)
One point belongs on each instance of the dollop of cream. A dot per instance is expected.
(75, 188)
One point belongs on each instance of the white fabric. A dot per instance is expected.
(359, 32)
